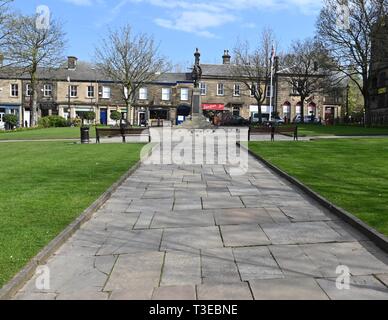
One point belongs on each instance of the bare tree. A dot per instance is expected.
(348, 36)
(31, 45)
(306, 69)
(4, 30)
(252, 67)
(131, 60)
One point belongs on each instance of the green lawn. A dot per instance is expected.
(49, 133)
(45, 186)
(353, 174)
(340, 130)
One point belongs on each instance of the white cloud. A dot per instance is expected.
(197, 22)
(202, 17)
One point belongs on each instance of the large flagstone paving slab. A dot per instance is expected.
(189, 239)
(242, 216)
(244, 236)
(297, 233)
(287, 289)
(181, 268)
(256, 263)
(219, 266)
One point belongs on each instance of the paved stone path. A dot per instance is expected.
(196, 232)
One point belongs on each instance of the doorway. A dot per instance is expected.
(142, 119)
(104, 117)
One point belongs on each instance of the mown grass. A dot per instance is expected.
(45, 134)
(45, 186)
(352, 173)
(340, 130)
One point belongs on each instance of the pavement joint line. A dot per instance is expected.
(162, 270)
(378, 279)
(236, 264)
(201, 264)
(323, 290)
(110, 274)
(161, 240)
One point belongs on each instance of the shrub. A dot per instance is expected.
(53, 122)
(11, 120)
(115, 116)
(89, 116)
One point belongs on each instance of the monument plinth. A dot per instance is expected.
(198, 120)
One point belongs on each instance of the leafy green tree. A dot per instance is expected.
(116, 116)
(89, 116)
(11, 121)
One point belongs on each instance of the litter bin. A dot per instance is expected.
(85, 135)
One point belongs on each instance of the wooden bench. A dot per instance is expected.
(290, 131)
(273, 131)
(119, 132)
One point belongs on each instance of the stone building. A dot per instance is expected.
(378, 90)
(78, 87)
(10, 98)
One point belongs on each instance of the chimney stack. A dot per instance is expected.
(72, 63)
(226, 57)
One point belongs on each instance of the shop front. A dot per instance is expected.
(210, 110)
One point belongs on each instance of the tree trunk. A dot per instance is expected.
(34, 111)
(365, 92)
(302, 99)
(129, 111)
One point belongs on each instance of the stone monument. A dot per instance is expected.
(198, 120)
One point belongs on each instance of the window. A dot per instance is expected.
(220, 89)
(14, 90)
(203, 89)
(185, 94)
(236, 91)
(269, 92)
(90, 92)
(28, 90)
(73, 91)
(143, 94)
(47, 90)
(166, 92)
(106, 91)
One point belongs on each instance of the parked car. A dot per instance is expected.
(307, 119)
(228, 119)
(238, 121)
(278, 120)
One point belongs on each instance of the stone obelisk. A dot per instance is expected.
(198, 120)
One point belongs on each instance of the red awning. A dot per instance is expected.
(213, 106)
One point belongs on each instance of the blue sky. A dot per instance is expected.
(181, 25)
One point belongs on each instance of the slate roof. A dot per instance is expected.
(84, 72)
